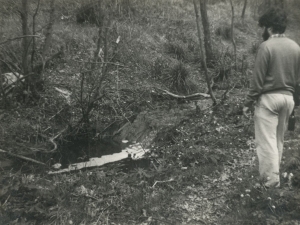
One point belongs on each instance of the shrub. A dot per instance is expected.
(158, 68)
(254, 47)
(224, 31)
(222, 65)
(89, 13)
(192, 87)
(175, 49)
(178, 76)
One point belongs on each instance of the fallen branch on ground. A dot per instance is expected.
(53, 138)
(171, 179)
(187, 97)
(291, 141)
(22, 157)
(56, 114)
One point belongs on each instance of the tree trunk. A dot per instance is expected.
(232, 34)
(26, 39)
(49, 31)
(33, 34)
(203, 55)
(206, 31)
(244, 10)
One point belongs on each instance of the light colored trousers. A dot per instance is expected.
(272, 112)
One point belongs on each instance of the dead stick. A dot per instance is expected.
(184, 97)
(56, 114)
(164, 181)
(53, 138)
(22, 157)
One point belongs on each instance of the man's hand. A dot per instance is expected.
(246, 111)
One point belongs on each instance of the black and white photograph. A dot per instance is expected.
(149, 112)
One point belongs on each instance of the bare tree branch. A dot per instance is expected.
(22, 157)
(186, 97)
(52, 139)
(16, 38)
(45, 62)
(56, 136)
(14, 61)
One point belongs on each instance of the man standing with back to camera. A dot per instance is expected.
(275, 77)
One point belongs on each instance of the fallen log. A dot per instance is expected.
(185, 97)
(22, 157)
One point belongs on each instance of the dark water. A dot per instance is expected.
(83, 151)
(82, 156)
(105, 152)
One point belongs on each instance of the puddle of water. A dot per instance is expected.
(79, 151)
(134, 151)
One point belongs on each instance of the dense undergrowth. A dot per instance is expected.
(203, 170)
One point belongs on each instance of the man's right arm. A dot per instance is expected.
(259, 74)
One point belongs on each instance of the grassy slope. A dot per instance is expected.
(205, 163)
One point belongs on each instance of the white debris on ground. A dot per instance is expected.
(134, 151)
(10, 80)
(56, 166)
(65, 94)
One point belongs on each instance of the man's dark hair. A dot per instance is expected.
(275, 18)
